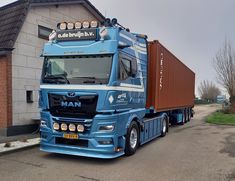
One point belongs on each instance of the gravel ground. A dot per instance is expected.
(197, 151)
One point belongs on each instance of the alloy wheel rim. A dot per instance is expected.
(133, 138)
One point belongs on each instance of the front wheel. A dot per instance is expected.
(132, 139)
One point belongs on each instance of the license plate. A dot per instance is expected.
(71, 136)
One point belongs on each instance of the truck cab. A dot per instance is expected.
(93, 86)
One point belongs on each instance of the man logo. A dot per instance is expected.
(70, 104)
(71, 94)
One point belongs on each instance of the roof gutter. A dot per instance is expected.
(5, 51)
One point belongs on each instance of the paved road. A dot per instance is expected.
(196, 151)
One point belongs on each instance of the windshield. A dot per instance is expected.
(77, 70)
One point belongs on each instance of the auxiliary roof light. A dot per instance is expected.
(94, 24)
(62, 26)
(85, 24)
(70, 26)
(78, 25)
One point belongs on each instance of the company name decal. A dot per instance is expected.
(86, 34)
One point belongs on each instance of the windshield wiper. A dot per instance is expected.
(56, 78)
(90, 81)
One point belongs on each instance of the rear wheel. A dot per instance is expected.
(183, 118)
(189, 114)
(164, 127)
(132, 139)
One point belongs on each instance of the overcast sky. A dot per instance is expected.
(193, 30)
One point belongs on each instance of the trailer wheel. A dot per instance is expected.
(189, 114)
(164, 127)
(186, 115)
(132, 139)
(183, 118)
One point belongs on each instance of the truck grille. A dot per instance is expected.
(73, 107)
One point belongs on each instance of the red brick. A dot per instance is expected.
(5, 92)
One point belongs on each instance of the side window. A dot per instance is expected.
(127, 67)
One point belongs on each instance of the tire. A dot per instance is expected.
(132, 139)
(164, 127)
(189, 115)
(186, 115)
(184, 118)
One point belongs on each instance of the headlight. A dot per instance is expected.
(85, 24)
(56, 126)
(70, 26)
(63, 26)
(106, 128)
(78, 25)
(80, 128)
(94, 24)
(72, 127)
(64, 127)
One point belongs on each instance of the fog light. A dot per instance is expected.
(80, 128)
(64, 127)
(72, 127)
(107, 128)
(56, 126)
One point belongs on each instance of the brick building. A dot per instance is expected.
(24, 28)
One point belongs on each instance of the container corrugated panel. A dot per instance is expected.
(171, 84)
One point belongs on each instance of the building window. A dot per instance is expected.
(29, 96)
(44, 32)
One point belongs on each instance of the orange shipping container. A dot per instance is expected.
(171, 84)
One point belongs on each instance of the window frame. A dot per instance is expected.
(40, 27)
(132, 60)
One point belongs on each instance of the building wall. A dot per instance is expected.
(26, 61)
(5, 92)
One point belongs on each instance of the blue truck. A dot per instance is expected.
(94, 92)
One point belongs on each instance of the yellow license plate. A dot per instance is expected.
(71, 136)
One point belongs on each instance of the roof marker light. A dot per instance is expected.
(70, 26)
(78, 25)
(85, 24)
(94, 24)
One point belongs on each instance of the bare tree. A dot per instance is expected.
(208, 91)
(224, 64)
